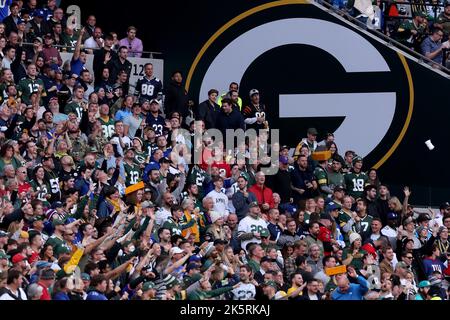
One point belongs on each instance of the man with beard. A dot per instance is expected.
(242, 198)
(303, 181)
(164, 211)
(78, 141)
(390, 230)
(247, 290)
(370, 192)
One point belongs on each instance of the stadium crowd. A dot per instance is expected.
(98, 201)
(422, 25)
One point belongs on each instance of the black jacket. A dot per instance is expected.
(99, 63)
(115, 65)
(208, 113)
(176, 99)
(10, 25)
(40, 31)
(233, 120)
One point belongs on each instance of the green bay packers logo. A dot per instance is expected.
(312, 69)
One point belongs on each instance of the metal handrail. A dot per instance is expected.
(151, 53)
(420, 57)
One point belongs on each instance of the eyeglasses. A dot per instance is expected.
(409, 257)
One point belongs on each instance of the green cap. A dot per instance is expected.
(265, 233)
(271, 283)
(424, 283)
(172, 284)
(57, 222)
(356, 159)
(420, 14)
(148, 285)
(3, 255)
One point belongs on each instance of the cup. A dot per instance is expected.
(429, 144)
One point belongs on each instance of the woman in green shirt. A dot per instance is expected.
(353, 256)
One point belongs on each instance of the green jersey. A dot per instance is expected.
(58, 245)
(107, 127)
(198, 177)
(321, 177)
(27, 86)
(41, 189)
(150, 147)
(132, 174)
(364, 225)
(75, 107)
(175, 227)
(355, 183)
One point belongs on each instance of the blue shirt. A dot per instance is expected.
(76, 66)
(428, 46)
(61, 296)
(356, 291)
(95, 295)
(122, 114)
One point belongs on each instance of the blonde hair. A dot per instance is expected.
(397, 204)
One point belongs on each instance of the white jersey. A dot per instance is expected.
(246, 291)
(248, 225)
(220, 203)
(161, 216)
(230, 192)
(20, 293)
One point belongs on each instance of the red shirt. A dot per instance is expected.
(24, 187)
(325, 236)
(45, 294)
(263, 195)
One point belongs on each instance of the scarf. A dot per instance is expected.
(115, 204)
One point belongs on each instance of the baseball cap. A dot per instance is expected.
(57, 204)
(392, 216)
(155, 101)
(175, 250)
(423, 217)
(402, 265)
(424, 283)
(148, 285)
(3, 234)
(284, 160)
(19, 21)
(356, 159)
(312, 131)
(338, 188)
(192, 265)
(39, 13)
(444, 205)
(330, 207)
(57, 222)
(38, 39)
(420, 14)
(284, 147)
(253, 204)
(3, 255)
(253, 91)
(47, 36)
(47, 274)
(147, 204)
(326, 216)
(18, 257)
(264, 233)
(271, 283)
(266, 259)
(85, 277)
(220, 241)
